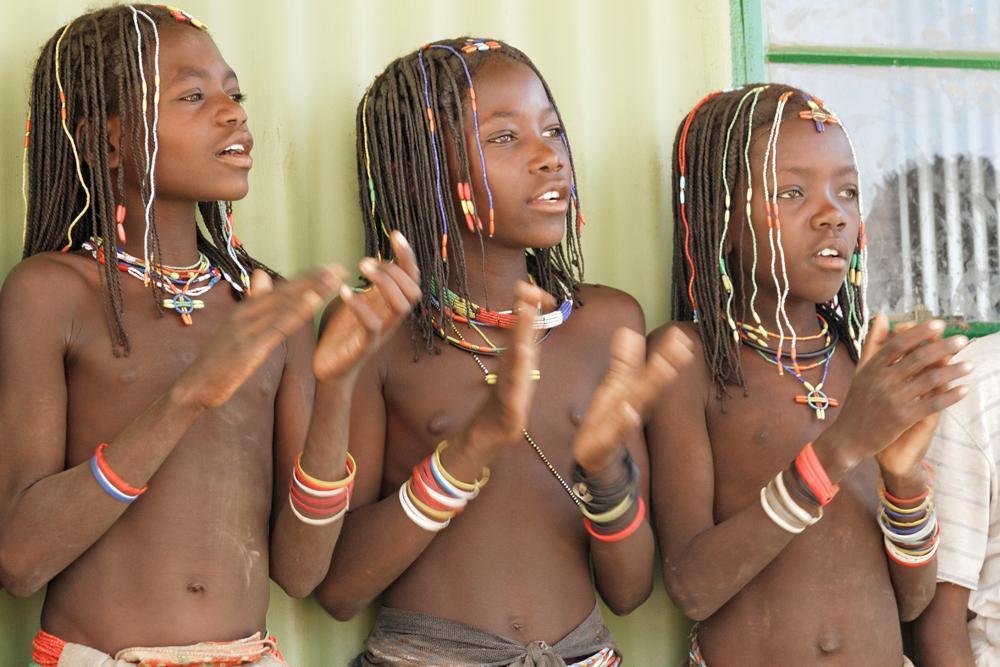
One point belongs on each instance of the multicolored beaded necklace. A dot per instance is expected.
(815, 398)
(468, 312)
(183, 283)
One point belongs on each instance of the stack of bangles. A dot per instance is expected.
(114, 485)
(804, 482)
(325, 502)
(909, 525)
(432, 496)
(607, 500)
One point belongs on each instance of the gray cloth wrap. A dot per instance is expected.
(408, 639)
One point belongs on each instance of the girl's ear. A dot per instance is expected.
(114, 141)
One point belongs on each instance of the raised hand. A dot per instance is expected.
(502, 416)
(903, 380)
(256, 327)
(366, 319)
(631, 382)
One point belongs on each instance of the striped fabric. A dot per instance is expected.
(965, 453)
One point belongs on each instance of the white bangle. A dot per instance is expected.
(781, 523)
(792, 506)
(317, 522)
(416, 516)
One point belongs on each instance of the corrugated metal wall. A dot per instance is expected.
(623, 73)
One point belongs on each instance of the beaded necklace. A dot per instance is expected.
(491, 378)
(182, 283)
(468, 312)
(815, 398)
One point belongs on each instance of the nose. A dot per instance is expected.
(547, 157)
(830, 215)
(231, 112)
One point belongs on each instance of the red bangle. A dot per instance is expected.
(321, 511)
(419, 488)
(815, 477)
(119, 483)
(623, 533)
(916, 500)
(318, 504)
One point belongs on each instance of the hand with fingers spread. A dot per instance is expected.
(903, 381)
(500, 419)
(631, 382)
(258, 326)
(365, 319)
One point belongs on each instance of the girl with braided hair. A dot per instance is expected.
(161, 459)
(792, 404)
(461, 147)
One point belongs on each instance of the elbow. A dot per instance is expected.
(624, 601)
(338, 606)
(912, 606)
(690, 599)
(298, 585)
(17, 577)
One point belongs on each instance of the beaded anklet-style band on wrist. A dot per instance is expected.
(432, 496)
(909, 526)
(112, 484)
(326, 501)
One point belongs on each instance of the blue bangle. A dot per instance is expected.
(108, 486)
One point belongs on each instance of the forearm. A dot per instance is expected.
(50, 523)
(378, 543)
(941, 632)
(623, 571)
(301, 550)
(709, 571)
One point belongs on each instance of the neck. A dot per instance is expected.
(491, 279)
(801, 315)
(176, 228)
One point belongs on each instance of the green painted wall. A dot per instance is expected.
(622, 72)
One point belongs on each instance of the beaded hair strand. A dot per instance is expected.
(96, 67)
(408, 117)
(708, 171)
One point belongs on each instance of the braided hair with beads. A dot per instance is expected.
(419, 103)
(101, 65)
(712, 180)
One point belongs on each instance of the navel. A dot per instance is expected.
(196, 587)
(829, 642)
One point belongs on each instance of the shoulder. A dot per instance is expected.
(688, 329)
(608, 308)
(49, 279)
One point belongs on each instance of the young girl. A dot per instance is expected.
(460, 145)
(159, 457)
(769, 275)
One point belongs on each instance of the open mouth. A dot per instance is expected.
(830, 258)
(236, 154)
(550, 201)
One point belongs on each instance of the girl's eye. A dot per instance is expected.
(850, 192)
(193, 97)
(792, 193)
(553, 132)
(239, 98)
(504, 138)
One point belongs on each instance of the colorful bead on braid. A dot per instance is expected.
(63, 114)
(475, 45)
(431, 129)
(326, 501)
(182, 16)
(112, 484)
(682, 183)
(817, 113)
